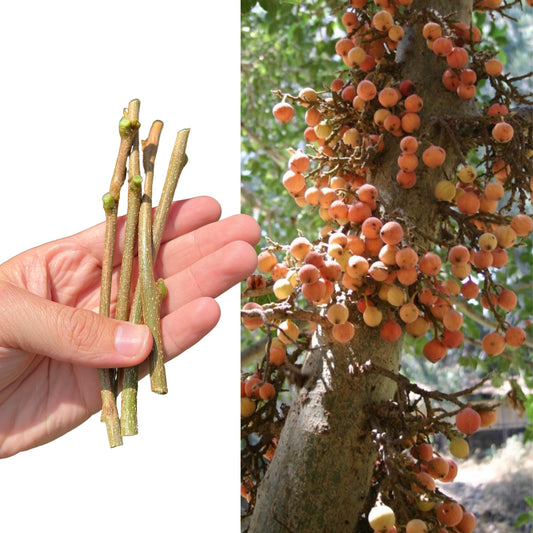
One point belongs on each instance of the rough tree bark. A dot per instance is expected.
(320, 475)
(319, 481)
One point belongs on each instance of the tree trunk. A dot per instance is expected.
(325, 457)
(320, 475)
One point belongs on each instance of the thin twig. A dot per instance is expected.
(128, 127)
(105, 375)
(128, 419)
(481, 319)
(150, 298)
(406, 384)
(131, 374)
(279, 312)
(178, 160)
(132, 221)
(128, 410)
(149, 295)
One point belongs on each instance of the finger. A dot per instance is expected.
(210, 276)
(184, 216)
(68, 334)
(189, 216)
(180, 253)
(185, 326)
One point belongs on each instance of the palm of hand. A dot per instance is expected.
(36, 389)
(42, 398)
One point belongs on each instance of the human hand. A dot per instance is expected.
(52, 340)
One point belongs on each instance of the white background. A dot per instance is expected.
(67, 71)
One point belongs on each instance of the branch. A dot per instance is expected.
(105, 376)
(128, 419)
(505, 354)
(149, 294)
(406, 384)
(132, 218)
(281, 312)
(255, 293)
(128, 127)
(480, 319)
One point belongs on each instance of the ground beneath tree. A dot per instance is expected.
(494, 487)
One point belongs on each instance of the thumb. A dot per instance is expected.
(72, 335)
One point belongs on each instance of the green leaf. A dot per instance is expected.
(523, 519)
(270, 6)
(479, 18)
(246, 5)
(528, 380)
(527, 517)
(497, 380)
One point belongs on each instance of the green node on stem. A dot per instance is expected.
(126, 126)
(136, 182)
(162, 290)
(109, 201)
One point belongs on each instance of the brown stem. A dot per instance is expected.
(404, 383)
(134, 164)
(150, 298)
(106, 375)
(128, 419)
(131, 374)
(481, 319)
(109, 407)
(126, 269)
(149, 295)
(278, 313)
(132, 218)
(178, 160)
(128, 127)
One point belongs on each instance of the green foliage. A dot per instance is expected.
(285, 46)
(526, 518)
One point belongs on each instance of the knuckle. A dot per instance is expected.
(82, 328)
(6, 291)
(8, 302)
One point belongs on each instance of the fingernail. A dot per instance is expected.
(130, 339)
